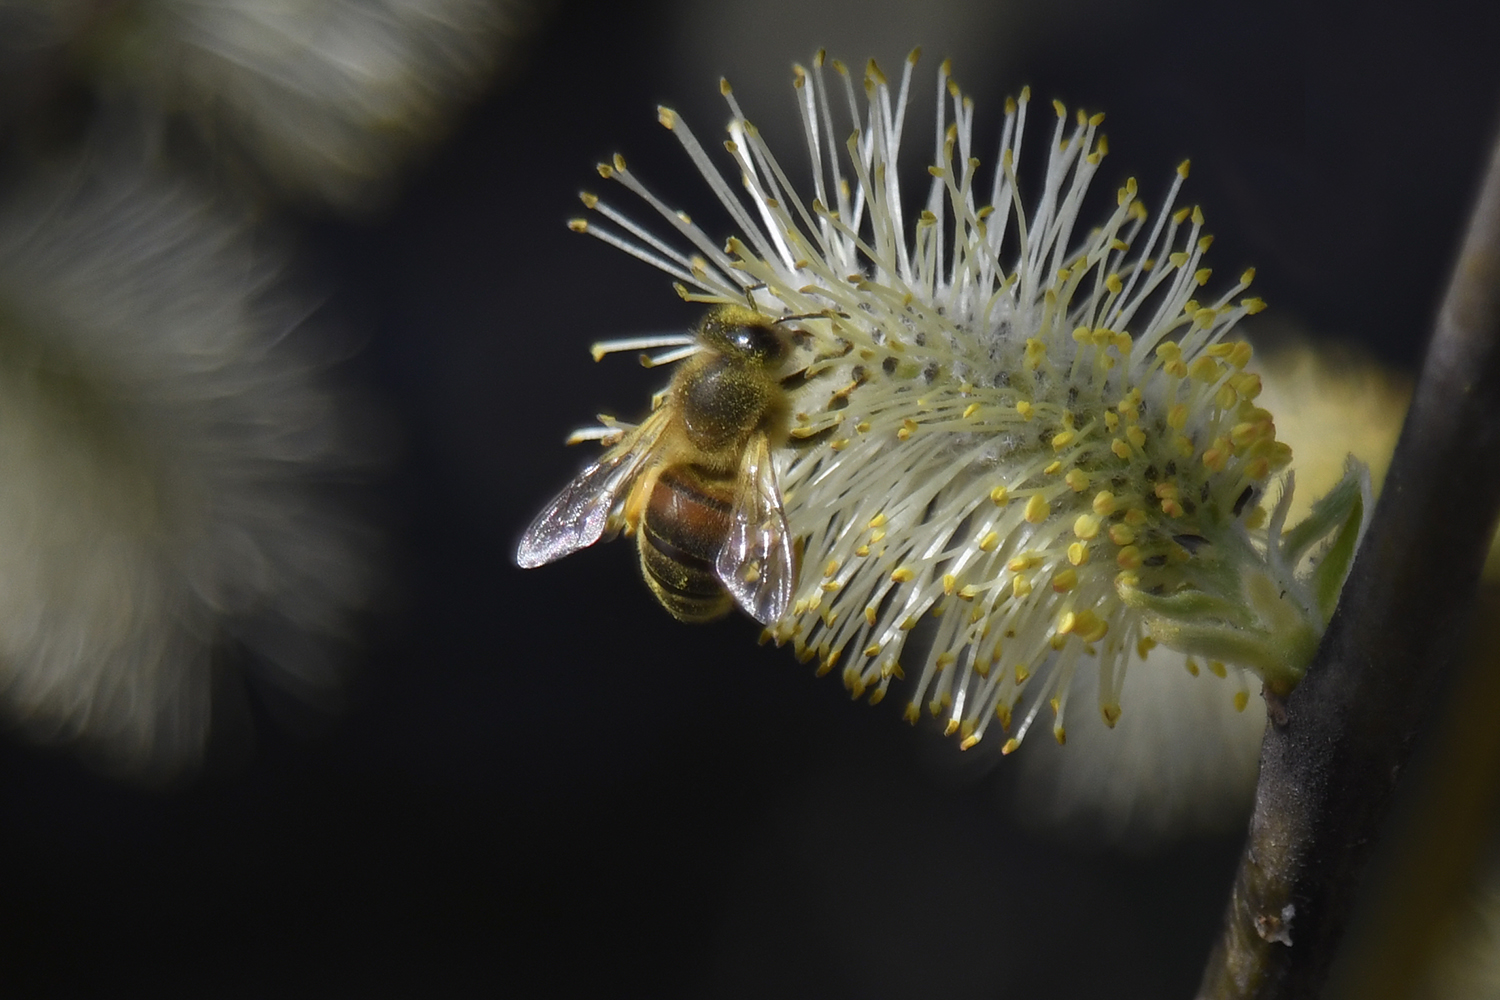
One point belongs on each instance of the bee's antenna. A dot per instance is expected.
(825, 314)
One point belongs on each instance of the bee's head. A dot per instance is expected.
(741, 332)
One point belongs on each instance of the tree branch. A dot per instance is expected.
(1336, 747)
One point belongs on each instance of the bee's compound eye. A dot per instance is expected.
(762, 343)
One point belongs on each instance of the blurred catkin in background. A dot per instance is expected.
(180, 445)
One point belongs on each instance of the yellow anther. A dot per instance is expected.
(968, 593)
(1077, 480)
(1053, 469)
(950, 583)
(1136, 436)
(970, 410)
(1121, 534)
(1024, 409)
(912, 712)
(1020, 586)
(1129, 557)
(1253, 306)
(871, 614)
(1111, 714)
(1241, 699)
(903, 574)
(1120, 448)
(1144, 645)
(1197, 215)
(1204, 318)
(1258, 468)
(1169, 351)
(1010, 747)
(1191, 665)
(1216, 668)
(990, 542)
(1205, 369)
(1171, 508)
(1177, 416)
(1178, 259)
(1035, 352)
(1104, 503)
(831, 586)
(908, 426)
(1135, 517)
(878, 521)
(1202, 275)
(1024, 561)
(1241, 355)
(1086, 526)
(1065, 580)
(578, 225)
(1062, 439)
(1078, 553)
(831, 568)
(1225, 397)
(1113, 284)
(1182, 169)
(877, 536)
(1246, 434)
(1246, 385)
(1066, 623)
(1037, 509)
(1166, 491)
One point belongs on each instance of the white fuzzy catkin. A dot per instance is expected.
(329, 98)
(165, 441)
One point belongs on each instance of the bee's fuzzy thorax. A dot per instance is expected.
(1021, 445)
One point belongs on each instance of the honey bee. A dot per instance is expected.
(695, 482)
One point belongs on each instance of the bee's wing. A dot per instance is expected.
(579, 515)
(755, 564)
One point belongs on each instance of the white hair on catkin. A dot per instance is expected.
(167, 441)
(328, 99)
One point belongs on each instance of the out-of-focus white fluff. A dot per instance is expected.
(1180, 759)
(165, 440)
(328, 97)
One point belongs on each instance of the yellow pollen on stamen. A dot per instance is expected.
(1086, 526)
(904, 574)
(1129, 557)
(1065, 580)
(1121, 534)
(1078, 553)
(1037, 509)
(1077, 480)
(1000, 496)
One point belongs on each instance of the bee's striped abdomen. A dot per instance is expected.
(682, 529)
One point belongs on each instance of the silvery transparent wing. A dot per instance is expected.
(579, 515)
(755, 565)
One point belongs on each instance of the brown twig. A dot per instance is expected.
(1336, 747)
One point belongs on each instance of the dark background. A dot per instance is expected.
(541, 785)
